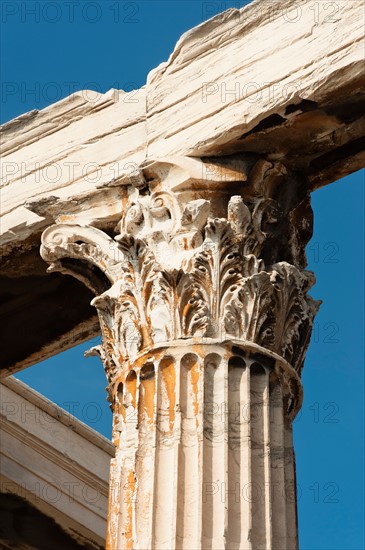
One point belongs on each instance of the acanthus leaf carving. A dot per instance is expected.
(162, 305)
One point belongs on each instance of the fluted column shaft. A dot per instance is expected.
(203, 452)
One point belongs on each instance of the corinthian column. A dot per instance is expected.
(205, 320)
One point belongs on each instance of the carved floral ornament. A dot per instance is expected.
(173, 274)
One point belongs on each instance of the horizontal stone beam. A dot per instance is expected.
(277, 78)
(54, 463)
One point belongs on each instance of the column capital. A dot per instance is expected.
(206, 251)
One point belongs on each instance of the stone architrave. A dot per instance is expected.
(202, 298)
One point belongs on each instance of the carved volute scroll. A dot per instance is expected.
(206, 267)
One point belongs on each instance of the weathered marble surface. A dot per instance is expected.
(205, 316)
(186, 214)
(55, 462)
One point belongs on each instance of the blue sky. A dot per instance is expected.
(50, 48)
